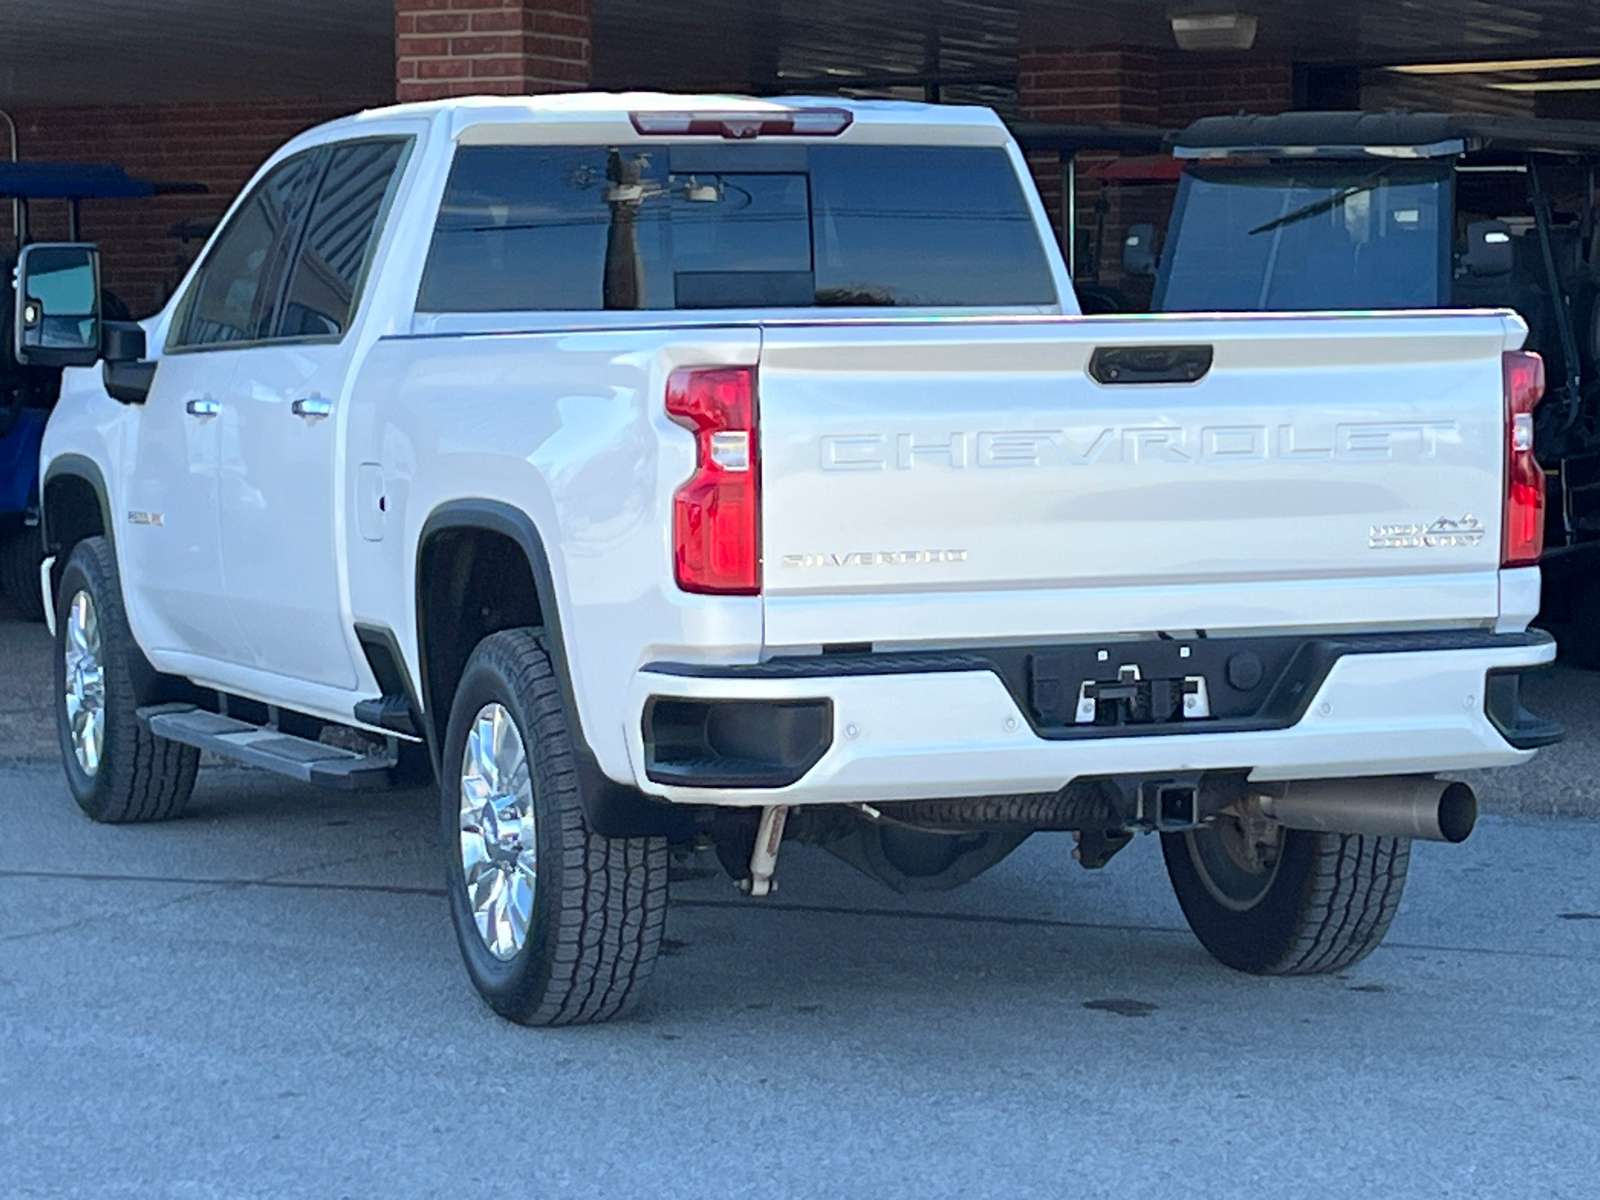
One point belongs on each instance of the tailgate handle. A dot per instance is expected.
(1149, 364)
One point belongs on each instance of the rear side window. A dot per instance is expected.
(573, 228)
(337, 243)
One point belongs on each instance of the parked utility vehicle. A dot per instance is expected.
(1339, 210)
(665, 471)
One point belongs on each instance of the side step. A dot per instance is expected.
(299, 758)
(387, 712)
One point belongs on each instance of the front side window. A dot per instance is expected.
(705, 226)
(332, 260)
(234, 296)
(1319, 236)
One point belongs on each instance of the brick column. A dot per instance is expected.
(1073, 85)
(507, 47)
(1209, 85)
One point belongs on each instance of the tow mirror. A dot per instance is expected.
(1139, 249)
(1490, 251)
(58, 305)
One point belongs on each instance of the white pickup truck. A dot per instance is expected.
(668, 473)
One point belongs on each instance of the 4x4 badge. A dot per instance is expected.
(1468, 531)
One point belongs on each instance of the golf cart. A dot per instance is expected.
(27, 393)
(1348, 210)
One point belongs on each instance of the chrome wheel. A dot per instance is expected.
(85, 691)
(499, 858)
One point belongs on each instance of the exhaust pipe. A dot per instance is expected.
(1408, 806)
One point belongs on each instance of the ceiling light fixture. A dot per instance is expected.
(1549, 85)
(1493, 65)
(1213, 30)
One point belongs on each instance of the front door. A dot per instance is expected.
(280, 491)
(167, 515)
(168, 511)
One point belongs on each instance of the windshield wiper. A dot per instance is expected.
(1318, 207)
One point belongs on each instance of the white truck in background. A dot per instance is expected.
(665, 471)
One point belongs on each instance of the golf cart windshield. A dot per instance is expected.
(1312, 236)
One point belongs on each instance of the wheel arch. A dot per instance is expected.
(73, 504)
(481, 566)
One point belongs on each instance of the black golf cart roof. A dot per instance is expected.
(1068, 139)
(1382, 135)
(39, 179)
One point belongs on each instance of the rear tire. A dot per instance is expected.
(21, 555)
(118, 771)
(567, 934)
(1311, 904)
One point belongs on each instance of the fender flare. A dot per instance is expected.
(74, 466)
(614, 809)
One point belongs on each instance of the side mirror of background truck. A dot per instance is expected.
(1489, 253)
(1139, 250)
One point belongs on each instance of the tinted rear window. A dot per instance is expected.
(704, 226)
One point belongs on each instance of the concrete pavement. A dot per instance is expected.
(264, 998)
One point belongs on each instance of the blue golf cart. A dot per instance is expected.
(28, 393)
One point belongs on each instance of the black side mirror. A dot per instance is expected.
(127, 376)
(57, 322)
(1139, 249)
(122, 341)
(1490, 251)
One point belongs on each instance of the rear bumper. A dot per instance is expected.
(912, 734)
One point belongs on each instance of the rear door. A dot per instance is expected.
(974, 480)
(279, 487)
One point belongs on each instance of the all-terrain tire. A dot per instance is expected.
(1327, 904)
(139, 776)
(599, 904)
(21, 554)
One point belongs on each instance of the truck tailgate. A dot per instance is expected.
(941, 481)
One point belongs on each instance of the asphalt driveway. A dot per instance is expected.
(264, 998)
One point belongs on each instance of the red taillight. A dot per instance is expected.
(716, 515)
(738, 126)
(1524, 514)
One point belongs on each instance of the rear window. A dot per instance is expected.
(573, 228)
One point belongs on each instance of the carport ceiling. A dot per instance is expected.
(108, 51)
(52, 51)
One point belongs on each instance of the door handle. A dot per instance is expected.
(205, 406)
(1149, 364)
(311, 407)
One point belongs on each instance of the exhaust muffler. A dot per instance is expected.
(1409, 806)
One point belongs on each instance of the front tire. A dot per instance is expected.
(118, 771)
(557, 925)
(1275, 901)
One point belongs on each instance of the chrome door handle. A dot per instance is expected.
(311, 407)
(205, 406)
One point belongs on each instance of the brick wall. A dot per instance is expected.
(1204, 85)
(218, 144)
(505, 47)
